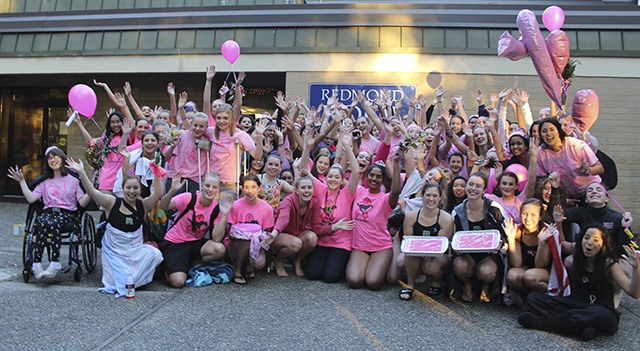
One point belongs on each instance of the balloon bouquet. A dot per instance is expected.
(549, 56)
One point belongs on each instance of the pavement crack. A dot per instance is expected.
(136, 321)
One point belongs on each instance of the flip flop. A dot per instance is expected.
(407, 293)
(238, 279)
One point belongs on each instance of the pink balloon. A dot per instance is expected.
(83, 99)
(493, 182)
(558, 45)
(230, 51)
(585, 109)
(537, 48)
(553, 18)
(511, 48)
(521, 172)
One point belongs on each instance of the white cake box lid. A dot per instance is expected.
(424, 245)
(476, 241)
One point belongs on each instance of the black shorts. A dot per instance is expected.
(178, 257)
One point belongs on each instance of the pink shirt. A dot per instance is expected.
(370, 213)
(63, 192)
(186, 230)
(567, 163)
(289, 220)
(334, 208)
(512, 207)
(224, 154)
(186, 157)
(243, 212)
(112, 164)
(369, 145)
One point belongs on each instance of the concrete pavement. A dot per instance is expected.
(269, 313)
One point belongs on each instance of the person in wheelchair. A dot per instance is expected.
(123, 251)
(61, 194)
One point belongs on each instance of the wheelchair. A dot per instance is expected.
(81, 243)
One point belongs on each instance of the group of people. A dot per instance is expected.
(335, 193)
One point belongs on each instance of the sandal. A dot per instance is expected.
(238, 279)
(434, 290)
(406, 294)
(484, 297)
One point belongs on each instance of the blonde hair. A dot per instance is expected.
(232, 119)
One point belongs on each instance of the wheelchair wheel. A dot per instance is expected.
(28, 246)
(89, 249)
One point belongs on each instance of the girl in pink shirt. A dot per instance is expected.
(186, 240)
(192, 147)
(328, 261)
(372, 247)
(60, 194)
(253, 216)
(227, 141)
(298, 226)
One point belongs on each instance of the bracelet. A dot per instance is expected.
(280, 144)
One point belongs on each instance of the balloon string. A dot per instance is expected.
(235, 79)
(614, 200)
(96, 123)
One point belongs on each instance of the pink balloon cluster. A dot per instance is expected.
(549, 56)
(230, 51)
(83, 99)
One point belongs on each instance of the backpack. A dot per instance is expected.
(161, 229)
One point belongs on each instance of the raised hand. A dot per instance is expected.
(439, 92)
(15, 174)
(100, 84)
(120, 100)
(211, 72)
(280, 135)
(632, 256)
(261, 126)
(75, 166)
(554, 178)
(479, 96)
(494, 97)
(510, 229)
(156, 112)
(177, 183)
(171, 89)
(241, 77)
(182, 100)
(524, 97)
(546, 233)
(127, 89)
(558, 214)
(122, 150)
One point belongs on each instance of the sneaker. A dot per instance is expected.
(51, 271)
(37, 270)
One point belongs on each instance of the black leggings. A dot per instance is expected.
(49, 225)
(327, 263)
(567, 315)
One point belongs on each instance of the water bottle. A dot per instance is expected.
(130, 288)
